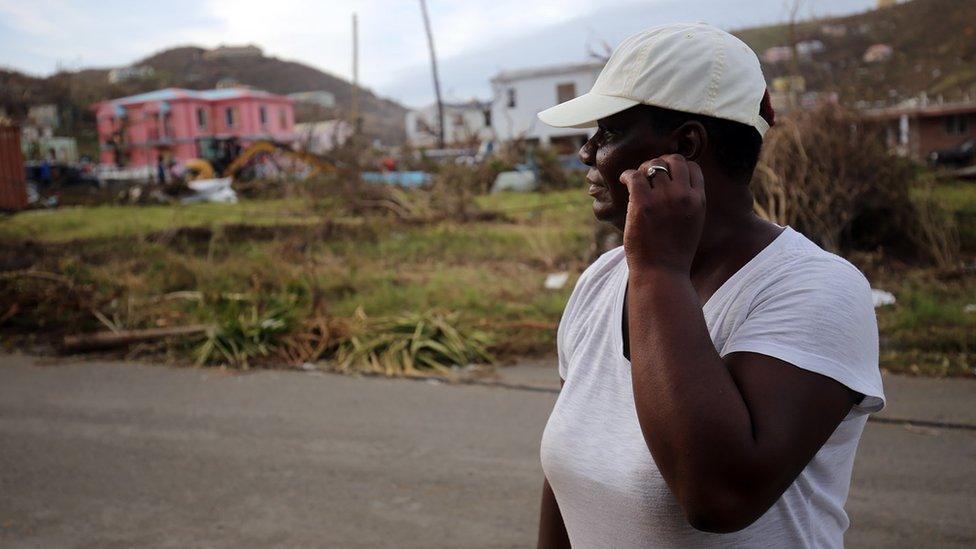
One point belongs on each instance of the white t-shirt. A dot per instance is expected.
(794, 302)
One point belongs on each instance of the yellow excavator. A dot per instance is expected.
(226, 158)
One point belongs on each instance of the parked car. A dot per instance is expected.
(958, 156)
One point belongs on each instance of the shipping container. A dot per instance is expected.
(13, 185)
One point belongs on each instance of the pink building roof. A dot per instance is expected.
(171, 94)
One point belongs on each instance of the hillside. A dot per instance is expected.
(187, 67)
(934, 43)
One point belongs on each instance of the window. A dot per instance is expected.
(458, 119)
(230, 117)
(487, 113)
(283, 118)
(263, 116)
(201, 119)
(565, 92)
(511, 98)
(957, 124)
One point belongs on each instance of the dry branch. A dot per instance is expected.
(110, 340)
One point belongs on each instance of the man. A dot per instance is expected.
(717, 369)
(160, 169)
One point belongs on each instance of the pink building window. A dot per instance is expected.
(201, 118)
(283, 118)
(230, 117)
(263, 116)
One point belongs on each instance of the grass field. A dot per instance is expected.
(76, 223)
(491, 273)
(129, 264)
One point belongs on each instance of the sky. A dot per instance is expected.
(474, 39)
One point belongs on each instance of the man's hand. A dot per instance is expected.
(665, 215)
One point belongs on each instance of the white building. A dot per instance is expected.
(466, 125)
(322, 137)
(123, 74)
(519, 95)
(318, 97)
(225, 51)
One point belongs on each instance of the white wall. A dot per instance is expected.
(472, 122)
(534, 94)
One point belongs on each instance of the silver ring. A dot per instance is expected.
(652, 169)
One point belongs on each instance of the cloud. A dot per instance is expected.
(40, 35)
(467, 74)
(391, 33)
(474, 38)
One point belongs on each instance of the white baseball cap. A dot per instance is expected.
(694, 68)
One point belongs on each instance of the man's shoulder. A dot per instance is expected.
(804, 259)
(604, 264)
(592, 284)
(595, 276)
(804, 267)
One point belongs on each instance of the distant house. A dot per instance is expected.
(916, 130)
(519, 95)
(38, 139)
(322, 137)
(466, 125)
(808, 48)
(777, 54)
(224, 52)
(130, 73)
(44, 116)
(183, 124)
(878, 53)
(318, 97)
(834, 31)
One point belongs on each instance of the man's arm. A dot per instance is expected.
(729, 437)
(552, 530)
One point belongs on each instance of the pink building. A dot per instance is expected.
(184, 124)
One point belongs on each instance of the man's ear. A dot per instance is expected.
(691, 140)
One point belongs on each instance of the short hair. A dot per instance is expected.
(736, 146)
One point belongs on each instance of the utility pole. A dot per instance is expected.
(356, 121)
(433, 68)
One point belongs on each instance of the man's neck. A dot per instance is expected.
(726, 245)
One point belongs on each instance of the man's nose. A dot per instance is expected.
(586, 153)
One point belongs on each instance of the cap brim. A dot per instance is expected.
(585, 110)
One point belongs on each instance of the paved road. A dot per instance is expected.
(113, 455)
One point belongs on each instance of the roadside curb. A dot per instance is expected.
(555, 391)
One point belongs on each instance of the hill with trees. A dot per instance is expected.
(933, 51)
(188, 67)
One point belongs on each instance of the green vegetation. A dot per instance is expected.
(958, 198)
(412, 343)
(75, 223)
(930, 330)
(288, 296)
(364, 293)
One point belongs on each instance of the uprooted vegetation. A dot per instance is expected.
(393, 281)
(830, 177)
(373, 292)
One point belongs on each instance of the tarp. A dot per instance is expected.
(211, 190)
(403, 179)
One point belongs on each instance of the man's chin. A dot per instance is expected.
(607, 213)
(604, 211)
